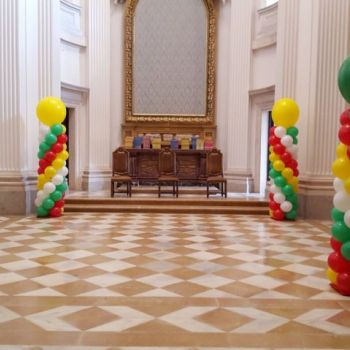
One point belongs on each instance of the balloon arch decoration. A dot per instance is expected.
(338, 271)
(52, 171)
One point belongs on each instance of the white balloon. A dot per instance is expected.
(279, 197)
(63, 171)
(293, 150)
(341, 201)
(286, 206)
(41, 194)
(49, 187)
(338, 184)
(44, 129)
(287, 141)
(57, 179)
(280, 131)
(275, 189)
(347, 218)
(38, 202)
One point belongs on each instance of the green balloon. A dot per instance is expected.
(344, 79)
(44, 146)
(62, 187)
(280, 181)
(41, 154)
(337, 215)
(273, 173)
(57, 129)
(341, 232)
(56, 196)
(293, 131)
(291, 215)
(287, 190)
(50, 139)
(295, 140)
(41, 212)
(345, 250)
(48, 203)
(293, 198)
(295, 205)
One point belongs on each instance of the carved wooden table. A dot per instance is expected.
(190, 165)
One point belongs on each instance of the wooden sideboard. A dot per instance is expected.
(190, 164)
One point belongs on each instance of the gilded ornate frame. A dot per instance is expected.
(209, 117)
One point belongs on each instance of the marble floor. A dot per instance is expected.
(167, 282)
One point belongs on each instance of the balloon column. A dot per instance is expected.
(284, 172)
(52, 171)
(339, 260)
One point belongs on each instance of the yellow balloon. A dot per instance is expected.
(58, 163)
(63, 155)
(285, 112)
(278, 165)
(295, 188)
(341, 168)
(64, 129)
(287, 173)
(341, 150)
(40, 185)
(41, 178)
(64, 147)
(50, 171)
(51, 110)
(331, 275)
(347, 185)
(273, 157)
(294, 181)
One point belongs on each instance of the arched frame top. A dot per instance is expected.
(209, 117)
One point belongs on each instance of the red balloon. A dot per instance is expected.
(278, 215)
(343, 282)
(344, 134)
(271, 196)
(295, 172)
(57, 147)
(336, 245)
(337, 263)
(345, 117)
(294, 164)
(50, 156)
(273, 205)
(43, 163)
(55, 212)
(63, 138)
(279, 149)
(273, 140)
(272, 131)
(60, 203)
(41, 170)
(286, 157)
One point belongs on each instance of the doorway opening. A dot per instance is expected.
(266, 124)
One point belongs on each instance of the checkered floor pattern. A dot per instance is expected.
(167, 281)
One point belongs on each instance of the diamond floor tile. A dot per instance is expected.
(167, 282)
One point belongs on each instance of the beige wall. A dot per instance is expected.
(288, 49)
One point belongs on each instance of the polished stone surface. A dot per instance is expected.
(167, 281)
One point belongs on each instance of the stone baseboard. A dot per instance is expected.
(239, 183)
(17, 194)
(96, 180)
(316, 198)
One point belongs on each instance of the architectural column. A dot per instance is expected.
(310, 77)
(98, 172)
(237, 168)
(19, 94)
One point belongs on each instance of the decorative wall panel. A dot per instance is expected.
(170, 57)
